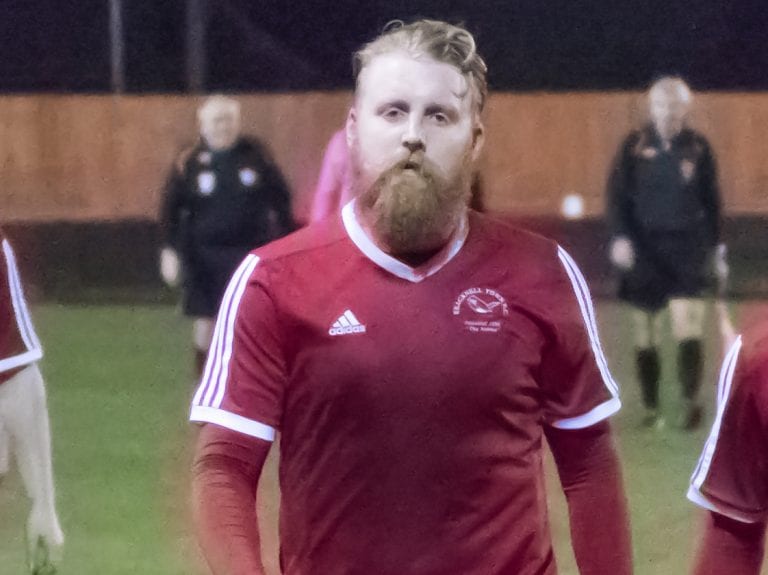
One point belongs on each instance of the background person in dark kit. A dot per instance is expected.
(664, 215)
(413, 354)
(224, 197)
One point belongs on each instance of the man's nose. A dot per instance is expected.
(413, 138)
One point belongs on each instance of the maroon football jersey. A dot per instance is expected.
(19, 345)
(410, 401)
(732, 474)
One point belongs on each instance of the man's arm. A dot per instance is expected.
(226, 472)
(709, 192)
(591, 478)
(618, 208)
(278, 189)
(173, 205)
(730, 547)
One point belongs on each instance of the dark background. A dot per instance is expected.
(275, 45)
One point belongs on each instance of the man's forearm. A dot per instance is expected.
(226, 471)
(730, 547)
(591, 478)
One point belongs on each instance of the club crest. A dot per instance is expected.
(206, 183)
(481, 309)
(248, 177)
(687, 170)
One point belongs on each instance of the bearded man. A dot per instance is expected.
(413, 355)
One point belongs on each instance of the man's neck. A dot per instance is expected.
(412, 257)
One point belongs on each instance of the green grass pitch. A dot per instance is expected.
(119, 384)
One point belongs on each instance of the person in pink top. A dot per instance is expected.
(333, 188)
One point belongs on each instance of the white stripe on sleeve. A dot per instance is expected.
(21, 311)
(723, 394)
(210, 393)
(581, 290)
(232, 421)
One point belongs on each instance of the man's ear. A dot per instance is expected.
(478, 140)
(351, 127)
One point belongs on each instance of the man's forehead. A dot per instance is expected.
(669, 94)
(220, 112)
(402, 75)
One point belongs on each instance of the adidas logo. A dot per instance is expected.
(346, 324)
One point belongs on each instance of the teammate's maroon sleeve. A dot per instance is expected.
(731, 477)
(244, 378)
(226, 472)
(591, 478)
(19, 345)
(730, 547)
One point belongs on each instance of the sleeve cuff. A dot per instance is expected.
(232, 421)
(20, 360)
(597, 414)
(697, 497)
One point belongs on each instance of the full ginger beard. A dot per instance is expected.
(413, 210)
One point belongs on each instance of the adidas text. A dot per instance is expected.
(346, 330)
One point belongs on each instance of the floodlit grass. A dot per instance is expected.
(119, 383)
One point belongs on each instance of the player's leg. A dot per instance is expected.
(202, 335)
(5, 451)
(687, 316)
(646, 326)
(25, 416)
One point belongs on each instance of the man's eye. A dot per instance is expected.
(440, 118)
(392, 113)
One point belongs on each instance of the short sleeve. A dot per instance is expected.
(577, 386)
(731, 477)
(244, 378)
(19, 344)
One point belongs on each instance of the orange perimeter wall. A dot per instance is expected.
(106, 157)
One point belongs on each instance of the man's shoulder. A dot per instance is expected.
(753, 359)
(691, 141)
(253, 147)
(502, 233)
(638, 137)
(186, 156)
(306, 243)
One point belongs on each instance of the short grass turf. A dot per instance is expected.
(119, 383)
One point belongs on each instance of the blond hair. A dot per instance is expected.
(444, 42)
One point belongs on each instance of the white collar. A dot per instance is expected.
(393, 265)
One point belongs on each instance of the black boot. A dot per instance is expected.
(200, 357)
(649, 372)
(689, 370)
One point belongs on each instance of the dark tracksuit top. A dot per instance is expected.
(219, 205)
(667, 203)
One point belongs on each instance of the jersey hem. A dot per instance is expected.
(599, 413)
(20, 360)
(697, 497)
(232, 421)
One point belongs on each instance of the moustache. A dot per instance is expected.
(415, 162)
